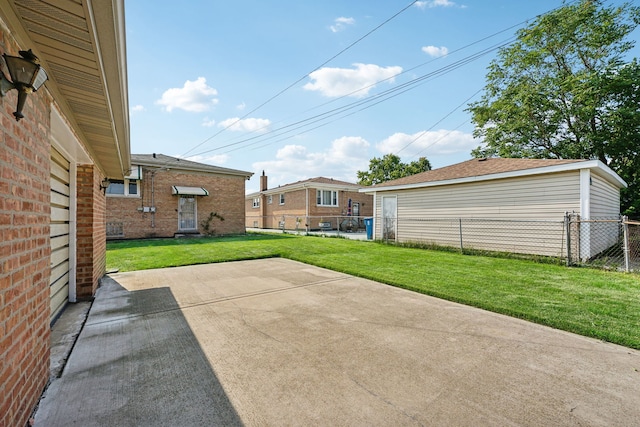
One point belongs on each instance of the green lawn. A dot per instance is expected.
(594, 303)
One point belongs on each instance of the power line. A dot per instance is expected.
(304, 76)
(364, 103)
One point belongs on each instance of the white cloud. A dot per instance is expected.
(206, 122)
(435, 51)
(340, 161)
(241, 106)
(340, 24)
(356, 82)
(195, 96)
(434, 3)
(432, 143)
(246, 125)
(137, 108)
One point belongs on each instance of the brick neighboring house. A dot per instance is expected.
(75, 132)
(312, 204)
(164, 196)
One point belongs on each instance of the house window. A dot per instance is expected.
(256, 202)
(133, 187)
(327, 198)
(270, 199)
(126, 187)
(282, 199)
(116, 187)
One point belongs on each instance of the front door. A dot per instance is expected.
(187, 220)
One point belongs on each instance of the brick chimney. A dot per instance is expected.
(263, 182)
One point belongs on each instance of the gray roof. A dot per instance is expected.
(318, 182)
(164, 161)
(493, 168)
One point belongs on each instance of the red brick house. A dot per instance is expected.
(165, 196)
(312, 204)
(74, 133)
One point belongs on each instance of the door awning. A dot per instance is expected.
(189, 191)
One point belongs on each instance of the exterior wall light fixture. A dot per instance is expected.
(104, 185)
(26, 77)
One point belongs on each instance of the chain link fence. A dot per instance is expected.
(612, 243)
(333, 224)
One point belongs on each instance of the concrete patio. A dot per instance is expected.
(276, 342)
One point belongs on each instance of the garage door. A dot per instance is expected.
(60, 216)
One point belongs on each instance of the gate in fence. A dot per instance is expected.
(612, 243)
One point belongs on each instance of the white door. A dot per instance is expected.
(389, 217)
(59, 232)
(187, 218)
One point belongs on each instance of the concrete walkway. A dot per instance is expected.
(275, 342)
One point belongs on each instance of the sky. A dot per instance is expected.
(302, 89)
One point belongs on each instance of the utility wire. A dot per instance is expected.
(331, 113)
(439, 121)
(305, 76)
(367, 103)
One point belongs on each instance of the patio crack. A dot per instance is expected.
(385, 401)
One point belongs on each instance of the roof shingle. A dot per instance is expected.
(475, 167)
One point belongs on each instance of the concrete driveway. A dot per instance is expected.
(275, 342)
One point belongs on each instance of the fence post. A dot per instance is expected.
(627, 248)
(460, 226)
(567, 227)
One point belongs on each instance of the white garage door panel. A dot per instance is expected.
(59, 232)
(60, 215)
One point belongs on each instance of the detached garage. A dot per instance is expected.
(489, 201)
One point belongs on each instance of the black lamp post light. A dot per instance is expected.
(26, 77)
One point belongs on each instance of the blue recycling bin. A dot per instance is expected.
(368, 223)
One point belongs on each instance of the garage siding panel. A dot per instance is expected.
(605, 198)
(605, 204)
(500, 215)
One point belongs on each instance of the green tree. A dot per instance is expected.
(564, 90)
(390, 167)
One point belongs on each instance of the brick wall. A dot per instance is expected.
(269, 215)
(24, 251)
(226, 198)
(91, 231)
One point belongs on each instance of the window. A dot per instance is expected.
(282, 199)
(115, 187)
(256, 202)
(327, 198)
(127, 187)
(133, 187)
(270, 199)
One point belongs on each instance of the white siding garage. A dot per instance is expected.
(487, 201)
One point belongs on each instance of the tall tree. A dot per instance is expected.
(390, 167)
(564, 90)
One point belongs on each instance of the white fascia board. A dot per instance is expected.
(596, 165)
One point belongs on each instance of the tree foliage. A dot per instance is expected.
(390, 167)
(564, 90)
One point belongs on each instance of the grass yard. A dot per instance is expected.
(594, 303)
